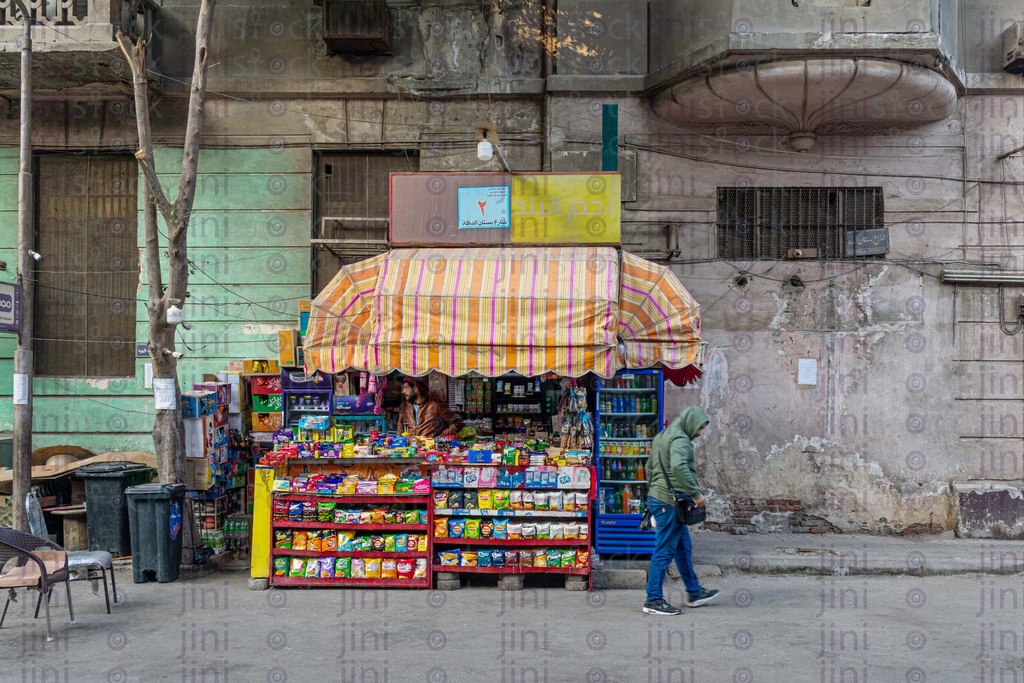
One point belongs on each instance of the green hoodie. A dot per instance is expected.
(674, 447)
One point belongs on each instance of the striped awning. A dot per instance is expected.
(566, 310)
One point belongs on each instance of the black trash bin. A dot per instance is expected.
(106, 514)
(156, 513)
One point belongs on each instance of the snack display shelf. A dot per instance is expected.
(449, 512)
(344, 526)
(351, 461)
(288, 552)
(505, 542)
(344, 583)
(354, 497)
(515, 569)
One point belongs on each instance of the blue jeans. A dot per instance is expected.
(671, 542)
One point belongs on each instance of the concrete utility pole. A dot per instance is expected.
(23, 369)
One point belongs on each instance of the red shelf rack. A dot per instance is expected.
(512, 570)
(288, 552)
(282, 524)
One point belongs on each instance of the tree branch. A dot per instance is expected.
(190, 153)
(136, 59)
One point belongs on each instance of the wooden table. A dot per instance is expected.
(76, 532)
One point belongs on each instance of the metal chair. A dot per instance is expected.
(82, 564)
(33, 563)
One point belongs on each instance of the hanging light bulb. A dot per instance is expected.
(484, 150)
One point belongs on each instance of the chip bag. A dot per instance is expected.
(343, 567)
(405, 568)
(372, 568)
(501, 499)
(377, 544)
(389, 568)
(469, 500)
(280, 566)
(515, 531)
(526, 558)
(312, 568)
(555, 500)
(440, 527)
(540, 558)
(515, 499)
(540, 501)
(528, 500)
(420, 570)
(483, 558)
(314, 541)
(569, 559)
(498, 558)
(411, 517)
(297, 568)
(325, 511)
(472, 528)
(511, 558)
(326, 567)
(450, 558)
(456, 528)
(330, 542)
(468, 559)
(299, 539)
(421, 543)
(554, 558)
(486, 528)
(529, 530)
(485, 499)
(557, 531)
(501, 529)
(582, 559)
(390, 544)
(358, 568)
(282, 538)
(544, 530)
(402, 543)
(440, 499)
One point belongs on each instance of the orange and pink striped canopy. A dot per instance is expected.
(566, 310)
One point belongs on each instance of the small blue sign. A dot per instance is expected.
(488, 207)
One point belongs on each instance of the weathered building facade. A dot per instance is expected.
(753, 137)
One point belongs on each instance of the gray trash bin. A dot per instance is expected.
(106, 514)
(156, 513)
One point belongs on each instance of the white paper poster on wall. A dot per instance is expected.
(148, 377)
(163, 394)
(807, 371)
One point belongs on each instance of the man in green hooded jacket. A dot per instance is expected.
(672, 455)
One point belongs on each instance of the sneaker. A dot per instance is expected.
(660, 607)
(703, 597)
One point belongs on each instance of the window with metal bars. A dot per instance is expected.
(85, 298)
(352, 192)
(766, 222)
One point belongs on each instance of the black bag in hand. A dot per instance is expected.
(686, 512)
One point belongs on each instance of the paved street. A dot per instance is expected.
(798, 628)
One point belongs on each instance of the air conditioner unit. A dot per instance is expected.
(1013, 49)
(357, 27)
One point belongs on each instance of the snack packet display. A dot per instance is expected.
(582, 502)
(501, 499)
(421, 543)
(295, 512)
(312, 568)
(526, 558)
(390, 544)
(450, 558)
(282, 538)
(483, 558)
(515, 499)
(540, 500)
(554, 557)
(441, 527)
(298, 567)
(543, 530)
(486, 528)
(511, 558)
(330, 542)
(280, 566)
(582, 559)
(540, 558)
(515, 531)
(402, 543)
(557, 531)
(501, 529)
(343, 567)
(468, 558)
(440, 499)
(377, 516)
(572, 531)
(485, 499)
(405, 568)
(528, 500)
(529, 530)
(314, 541)
(325, 511)
(420, 570)
(377, 544)
(309, 513)
(498, 558)
(469, 500)
(389, 568)
(372, 568)
(472, 528)
(280, 508)
(358, 568)
(569, 558)
(555, 500)
(456, 528)
(411, 517)
(299, 539)
(326, 567)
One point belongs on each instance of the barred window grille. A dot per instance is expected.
(766, 222)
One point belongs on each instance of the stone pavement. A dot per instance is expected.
(717, 553)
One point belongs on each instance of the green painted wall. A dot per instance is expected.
(249, 242)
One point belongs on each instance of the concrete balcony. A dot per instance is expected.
(72, 41)
(802, 65)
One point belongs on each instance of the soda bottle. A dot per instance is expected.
(617, 507)
(627, 495)
(603, 501)
(641, 475)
